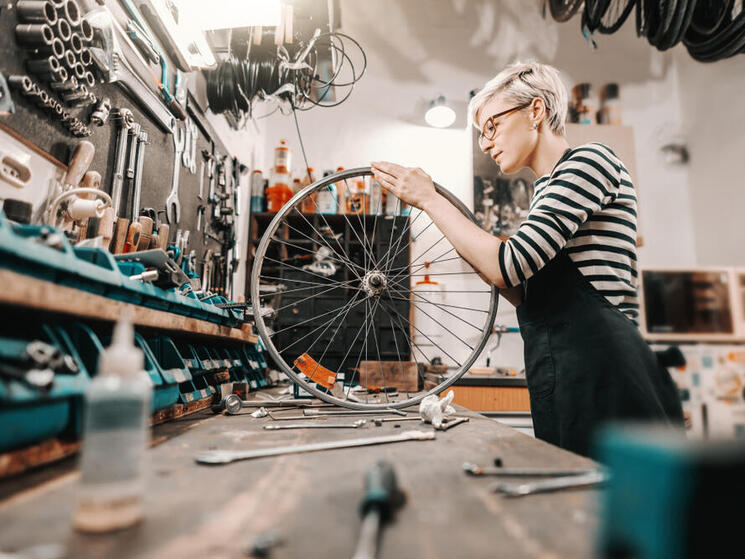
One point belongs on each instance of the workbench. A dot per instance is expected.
(198, 511)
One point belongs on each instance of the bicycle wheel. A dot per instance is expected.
(563, 10)
(370, 305)
(615, 16)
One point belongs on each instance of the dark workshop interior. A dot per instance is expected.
(391, 279)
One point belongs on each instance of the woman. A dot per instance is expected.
(570, 269)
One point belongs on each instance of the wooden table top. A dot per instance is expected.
(197, 511)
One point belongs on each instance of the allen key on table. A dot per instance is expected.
(214, 457)
(355, 425)
(353, 412)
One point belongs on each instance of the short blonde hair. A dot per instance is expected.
(522, 82)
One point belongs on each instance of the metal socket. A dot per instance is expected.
(46, 65)
(58, 85)
(69, 59)
(89, 99)
(80, 93)
(86, 31)
(90, 79)
(72, 12)
(58, 3)
(56, 49)
(79, 71)
(36, 11)
(64, 31)
(34, 34)
(85, 57)
(76, 43)
(21, 83)
(42, 99)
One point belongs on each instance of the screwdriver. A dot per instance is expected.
(381, 497)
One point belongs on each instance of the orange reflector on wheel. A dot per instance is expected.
(315, 372)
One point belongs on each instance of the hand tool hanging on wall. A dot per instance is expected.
(173, 206)
(125, 121)
(115, 68)
(145, 222)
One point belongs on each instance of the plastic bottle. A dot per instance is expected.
(297, 186)
(115, 437)
(326, 200)
(585, 105)
(358, 201)
(257, 192)
(279, 191)
(610, 105)
(376, 197)
(341, 194)
(282, 155)
(308, 206)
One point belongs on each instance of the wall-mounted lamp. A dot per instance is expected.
(439, 114)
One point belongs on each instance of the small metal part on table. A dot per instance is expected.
(353, 412)
(216, 457)
(452, 422)
(355, 425)
(476, 470)
(521, 489)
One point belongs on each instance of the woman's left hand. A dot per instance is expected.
(412, 185)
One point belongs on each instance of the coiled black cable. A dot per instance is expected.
(254, 73)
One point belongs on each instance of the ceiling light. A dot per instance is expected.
(439, 114)
(229, 14)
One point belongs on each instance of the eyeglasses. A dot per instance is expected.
(490, 128)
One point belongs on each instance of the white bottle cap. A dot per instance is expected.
(122, 358)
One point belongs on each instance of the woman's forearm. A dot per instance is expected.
(478, 247)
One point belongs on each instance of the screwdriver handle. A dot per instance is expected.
(380, 489)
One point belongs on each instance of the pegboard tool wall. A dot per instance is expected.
(42, 130)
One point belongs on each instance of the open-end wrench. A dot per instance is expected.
(476, 470)
(125, 120)
(142, 141)
(355, 425)
(173, 206)
(227, 456)
(129, 172)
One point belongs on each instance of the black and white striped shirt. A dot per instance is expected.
(588, 206)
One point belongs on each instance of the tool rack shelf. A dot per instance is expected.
(34, 293)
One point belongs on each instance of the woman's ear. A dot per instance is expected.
(537, 110)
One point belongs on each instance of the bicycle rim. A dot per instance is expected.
(465, 319)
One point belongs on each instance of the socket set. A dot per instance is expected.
(46, 101)
(57, 37)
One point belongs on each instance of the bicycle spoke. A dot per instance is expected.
(296, 281)
(380, 364)
(356, 369)
(299, 269)
(399, 249)
(351, 265)
(282, 241)
(344, 253)
(308, 320)
(423, 334)
(351, 305)
(415, 345)
(440, 304)
(293, 303)
(430, 262)
(398, 354)
(318, 363)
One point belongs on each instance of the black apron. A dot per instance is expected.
(585, 361)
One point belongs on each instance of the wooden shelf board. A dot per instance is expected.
(34, 293)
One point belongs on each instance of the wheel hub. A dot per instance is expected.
(374, 283)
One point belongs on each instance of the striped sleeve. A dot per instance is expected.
(584, 181)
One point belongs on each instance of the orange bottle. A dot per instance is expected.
(279, 191)
(341, 193)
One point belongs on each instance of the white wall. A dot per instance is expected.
(713, 114)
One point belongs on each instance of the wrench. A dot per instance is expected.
(521, 489)
(186, 155)
(126, 121)
(173, 206)
(116, 68)
(227, 456)
(355, 425)
(142, 141)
